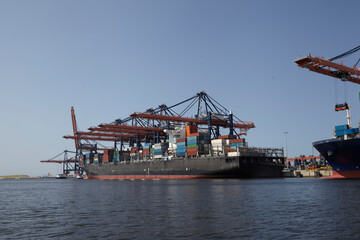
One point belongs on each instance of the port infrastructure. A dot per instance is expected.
(337, 70)
(303, 158)
(68, 163)
(149, 126)
(330, 68)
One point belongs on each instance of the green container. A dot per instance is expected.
(192, 146)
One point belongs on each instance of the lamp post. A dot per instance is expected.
(286, 146)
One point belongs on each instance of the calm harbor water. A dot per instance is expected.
(180, 209)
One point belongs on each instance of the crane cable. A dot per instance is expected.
(346, 53)
(336, 91)
(345, 85)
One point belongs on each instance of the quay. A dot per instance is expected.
(306, 173)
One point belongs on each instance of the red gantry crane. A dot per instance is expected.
(150, 126)
(330, 68)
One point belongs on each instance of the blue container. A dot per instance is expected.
(237, 144)
(116, 158)
(340, 133)
(192, 138)
(148, 144)
(180, 154)
(341, 127)
(352, 131)
(181, 144)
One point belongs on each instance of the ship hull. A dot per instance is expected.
(342, 155)
(187, 168)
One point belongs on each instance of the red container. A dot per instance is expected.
(197, 134)
(227, 137)
(239, 140)
(105, 158)
(181, 140)
(191, 151)
(134, 150)
(108, 152)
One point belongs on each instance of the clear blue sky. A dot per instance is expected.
(109, 59)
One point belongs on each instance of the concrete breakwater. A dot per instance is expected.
(18, 177)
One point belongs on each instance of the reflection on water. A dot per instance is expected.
(180, 209)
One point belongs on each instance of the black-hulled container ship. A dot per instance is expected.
(161, 144)
(249, 163)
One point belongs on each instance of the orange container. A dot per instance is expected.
(190, 129)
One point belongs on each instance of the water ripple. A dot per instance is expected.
(180, 209)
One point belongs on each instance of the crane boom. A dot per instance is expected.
(73, 118)
(191, 120)
(327, 67)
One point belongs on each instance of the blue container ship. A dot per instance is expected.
(342, 155)
(343, 150)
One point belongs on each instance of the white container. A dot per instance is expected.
(218, 141)
(233, 154)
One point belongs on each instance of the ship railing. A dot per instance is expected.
(261, 152)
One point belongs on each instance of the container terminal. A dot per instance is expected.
(166, 143)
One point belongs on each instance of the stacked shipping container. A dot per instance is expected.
(108, 155)
(89, 158)
(342, 130)
(116, 156)
(237, 142)
(197, 144)
(181, 147)
(160, 149)
(146, 150)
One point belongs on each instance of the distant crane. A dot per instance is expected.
(68, 164)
